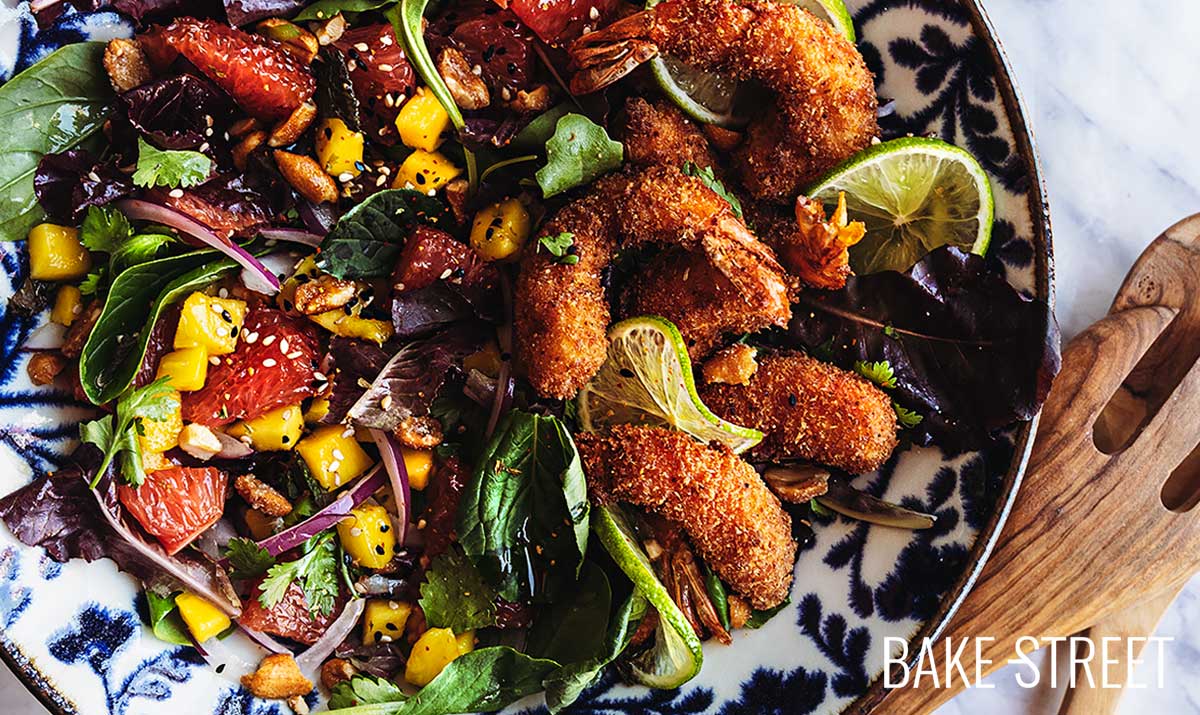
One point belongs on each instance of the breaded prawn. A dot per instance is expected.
(658, 134)
(736, 524)
(810, 410)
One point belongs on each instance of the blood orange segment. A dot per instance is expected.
(265, 80)
(381, 76)
(176, 505)
(272, 367)
(289, 617)
(560, 21)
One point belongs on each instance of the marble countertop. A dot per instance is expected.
(1113, 94)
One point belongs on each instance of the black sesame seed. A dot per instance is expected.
(220, 668)
(384, 528)
(511, 67)
(792, 400)
(391, 627)
(285, 439)
(379, 549)
(458, 272)
(626, 372)
(488, 53)
(226, 316)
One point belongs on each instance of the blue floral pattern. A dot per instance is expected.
(857, 584)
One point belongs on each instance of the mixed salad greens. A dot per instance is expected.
(276, 241)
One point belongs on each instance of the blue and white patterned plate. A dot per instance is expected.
(72, 631)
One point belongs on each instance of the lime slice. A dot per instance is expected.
(716, 99)
(647, 380)
(914, 195)
(675, 657)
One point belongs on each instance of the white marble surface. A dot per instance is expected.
(1113, 92)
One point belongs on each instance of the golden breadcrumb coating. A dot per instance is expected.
(736, 524)
(658, 133)
(810, 410)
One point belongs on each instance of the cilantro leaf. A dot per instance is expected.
(104, 229)
(365, 690)
(907, 418)
(560, 247)
(117, 436)
(710, 180)
(316, 572)
(455, 596)
(93, 283)
(247, 559)
(879, 373)
(579, 152)
(170, 168)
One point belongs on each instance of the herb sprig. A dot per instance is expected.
(118, 435)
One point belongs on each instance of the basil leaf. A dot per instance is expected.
(759, 618)
(55, 105)
(366, 242)
(565, 685)
(165, 620)
(573, 630)
(717, 594)
(113, 352)
(525, 508)
(579, 152)
(325, 9)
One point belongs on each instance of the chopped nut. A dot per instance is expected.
(324, 294)
(290, 129)
(722, 138)
(295, 40)
(298, 705)
(457, 195)
(262, 496)
(336, 670)
(306, 176)
(534, 101)
(468, 89)
(739, 611)
(126, 64)
(44, 367)
(242, 127)
(419, 432)
(734, 365)
(80, 329)
(242, 151)
(416, 625)
(199, 441)
(332, 30)
(278, 676)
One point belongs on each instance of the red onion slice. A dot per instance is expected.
(327, 517)
(310, 660)
(50, 336)
(291, 235)
(257, 277)
(504, 381)
(263, 640)
(393, 462)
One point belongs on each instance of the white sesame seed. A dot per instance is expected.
(393, 605)
(320, 377)
(293, 355)
(385, 40)
(176, 193)
(505, 93)
(337, 454)
(269, 362)
(283, 346)
(268, 340)
(94, 176)
(356, 531)
(348, 432)
(334, 466)
(386, 403)
(477, 70)
(223, 293)
(594, 13)
(245, 439)
(216, 308)
(251, 337)
(445, 274)
(362, 47)
(385, 638)
(431, 192)
(287, 414)
(345, 176)
(214, 360)
(385, 68)
(208, 120)
(381, 180)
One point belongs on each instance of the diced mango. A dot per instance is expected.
(466, 642)
(202, 618)
(276, 431)
(418, 463)
(422, 121)
(384, 620)
(55, 253)
(352, 326)
(500, 230)
(333, 457)
(432, 652)
(261, 526)
(154, 461)
(67, 304)
(486, 360)
(210, 323)
(367, 535)
(339, 149)
(317, 411)
(161, 435)
(186, 367)
(425, 171)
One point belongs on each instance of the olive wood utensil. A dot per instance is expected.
(1100, 536)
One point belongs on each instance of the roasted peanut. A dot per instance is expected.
(295, 40)
(79, 331)
(290, 129)
(331, 30)
(43, 367)
(336, 670)
(242, 127)
(419, 432)
(126, 64)
(468, 89)
(457, 194)
(324, 294)
(262, 496)
(534, 101)
(277, 677)
(306, 176)
(249, 143)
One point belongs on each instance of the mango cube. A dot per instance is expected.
(418, 463)
(466, 642)
(500, 231)
(354, 327)
(202, 618)
(432, 652)
(425, 171)
(422, 121)
(67, 304)
(317, 411)
(210, 323)
(367, 535)
(276, 431)
(55, 253)
(339, 149)
(161, 435)
(187, 368)
(260, 525)
(384, 620)
(333, 456)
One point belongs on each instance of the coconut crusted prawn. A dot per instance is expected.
(825, 104)
(562, 313)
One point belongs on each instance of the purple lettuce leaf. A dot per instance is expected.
(244, 12)
(58, 512)
(66, 184)
(969, 353)
(421, 312)
(138, 9)
(174, 113)
(355, 360)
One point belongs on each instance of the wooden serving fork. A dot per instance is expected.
(1100, 538)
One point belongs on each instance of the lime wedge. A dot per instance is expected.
(675, 657)
(914, 195)
(647, 380)
(716, 99)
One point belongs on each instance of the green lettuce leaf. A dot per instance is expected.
(579, 152)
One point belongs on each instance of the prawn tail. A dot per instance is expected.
(607, 55)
